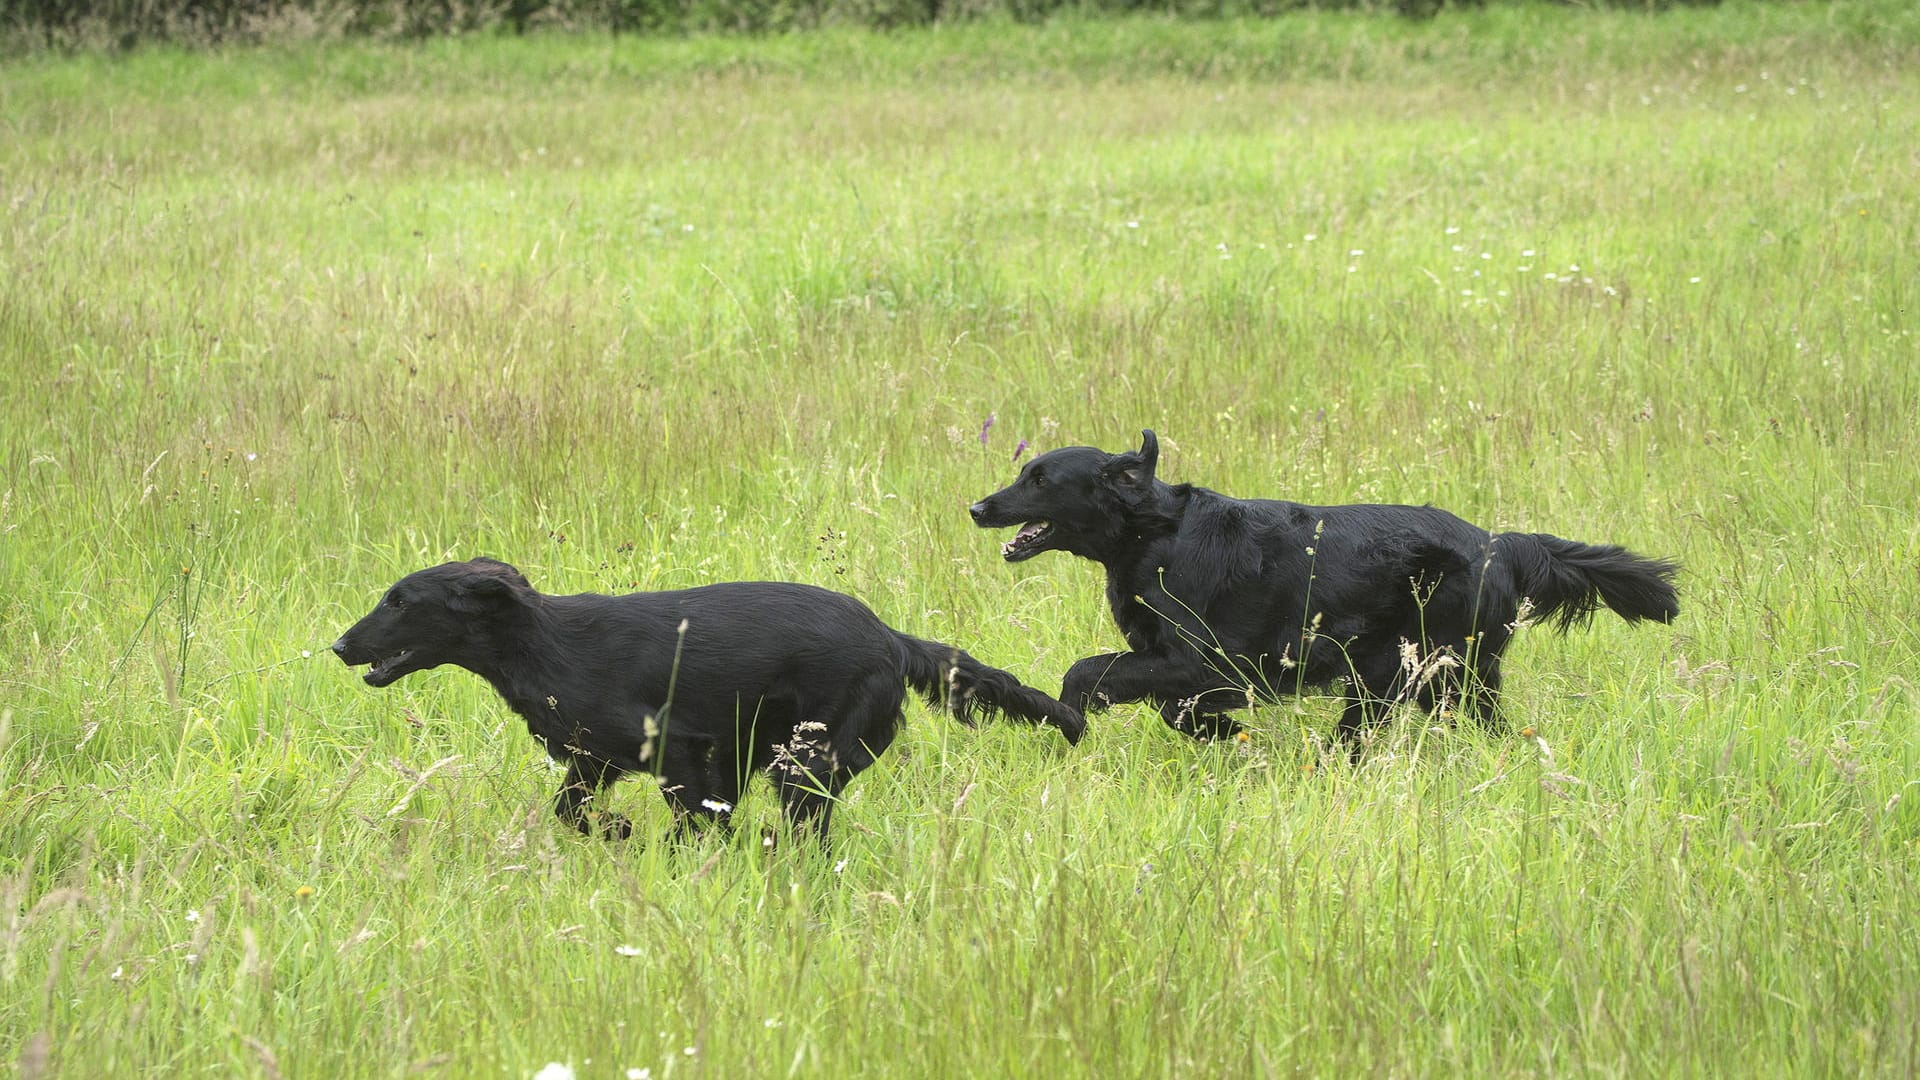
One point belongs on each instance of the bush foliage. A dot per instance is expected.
(125, 23)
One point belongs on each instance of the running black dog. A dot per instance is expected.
(1223, 600)
(700, 687)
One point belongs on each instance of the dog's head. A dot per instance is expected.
(446, 614)
(1078, 499)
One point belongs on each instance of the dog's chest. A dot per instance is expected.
(546, 722)
(567, 733)
(1131, 596)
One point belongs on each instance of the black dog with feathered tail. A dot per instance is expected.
(1223, 600)
(701, 687)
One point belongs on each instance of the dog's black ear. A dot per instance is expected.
(504, 570)
(1135, 468)
(490, 586)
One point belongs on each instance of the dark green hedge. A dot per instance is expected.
(124, 23)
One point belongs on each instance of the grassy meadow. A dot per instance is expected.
(280, 325)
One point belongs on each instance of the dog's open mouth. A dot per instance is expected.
(1027, 542)
(388, 668)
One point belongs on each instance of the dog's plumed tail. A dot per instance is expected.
(950, 679)
(1568, 581)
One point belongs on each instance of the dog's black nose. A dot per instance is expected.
(339, 647)
(978, 510)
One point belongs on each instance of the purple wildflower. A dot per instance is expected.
(986, 427)
(1021, 449)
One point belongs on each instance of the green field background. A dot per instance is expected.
(279, 325)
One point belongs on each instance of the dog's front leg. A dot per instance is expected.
(586, 778)
(1187, 694)
(1193, 715)
(1097, 682)
(1090, 684)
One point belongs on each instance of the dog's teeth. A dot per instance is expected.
(1028, 533)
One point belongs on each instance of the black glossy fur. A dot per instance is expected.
(701, 687)
(1222, 600)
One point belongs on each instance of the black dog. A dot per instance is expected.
(700, 687)
(1222, 599)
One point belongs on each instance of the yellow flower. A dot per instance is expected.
(303, 892)
(1527, 732)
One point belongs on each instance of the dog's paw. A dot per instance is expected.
(1072, 723)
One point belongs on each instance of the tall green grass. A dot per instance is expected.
(282, 325)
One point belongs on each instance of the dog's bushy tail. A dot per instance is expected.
(950, 679)
(1568, 581)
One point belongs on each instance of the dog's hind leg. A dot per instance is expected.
(1372, 687)
(1484, 692)
(808, 803)
(586, 778)
(820, 758)
(1480, 682)
(1363, 713)
(810, 778)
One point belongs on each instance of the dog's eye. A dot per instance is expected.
(1037, 480)
(394, 601)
